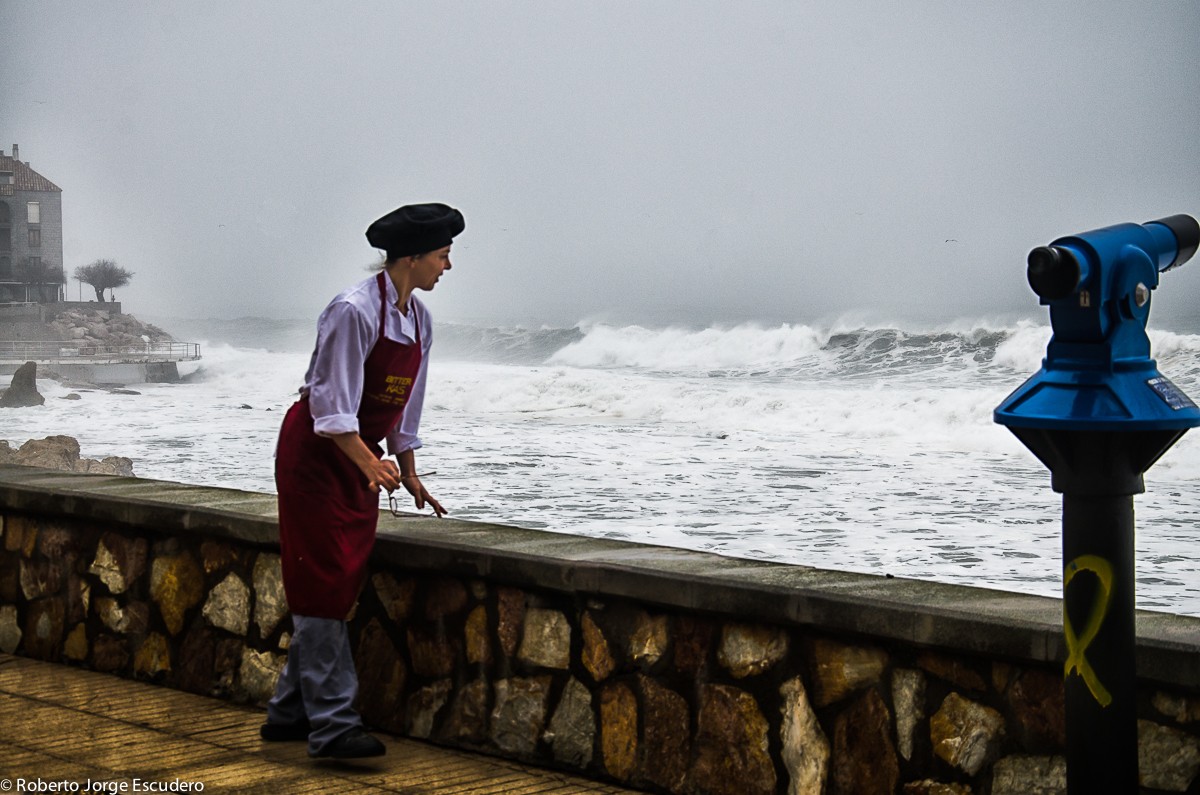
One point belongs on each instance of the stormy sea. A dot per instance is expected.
(851, 448)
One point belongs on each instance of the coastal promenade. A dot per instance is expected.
(65, 727)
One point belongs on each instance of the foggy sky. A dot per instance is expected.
(629, 161)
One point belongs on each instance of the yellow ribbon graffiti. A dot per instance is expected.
(1077, 644)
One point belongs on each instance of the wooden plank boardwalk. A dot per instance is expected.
(63, 724)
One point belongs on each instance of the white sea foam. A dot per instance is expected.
(676, 349)
(859, 449)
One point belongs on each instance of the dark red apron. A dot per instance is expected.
(327, 514)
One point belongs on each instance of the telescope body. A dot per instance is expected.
(1098, 374)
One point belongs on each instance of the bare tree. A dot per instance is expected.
(103, 274)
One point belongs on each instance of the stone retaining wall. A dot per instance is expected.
(667, 670)
(22, 322)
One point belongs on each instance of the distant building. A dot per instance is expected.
(31, 234)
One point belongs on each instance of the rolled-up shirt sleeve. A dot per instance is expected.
(335, 380)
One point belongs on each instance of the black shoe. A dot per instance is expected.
(354, 744)
(284, 732)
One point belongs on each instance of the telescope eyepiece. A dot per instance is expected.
(1187, 237)
(1053, 272)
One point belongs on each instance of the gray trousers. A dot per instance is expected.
(318, 683)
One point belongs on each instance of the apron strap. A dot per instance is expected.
(382, 301)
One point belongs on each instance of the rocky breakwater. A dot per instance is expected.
(62, 453)
(94, 347)
(97, 327)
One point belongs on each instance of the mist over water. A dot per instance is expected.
(856, 448)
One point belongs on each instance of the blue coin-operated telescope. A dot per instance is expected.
(1098, 374)
(1098, 414)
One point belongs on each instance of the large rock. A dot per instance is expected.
(259, 673)
(649, 640)
(62, 453)
(864, 760)
(53, 452)
(520, 713)
(433, 654)
(966, 734)
(750, 650)
(395, 596)
(424, 706)
(228, 605)
(270, 603)
(1030, 775)
(597, 658)
(1168, 759)
(805, 748)
(666, 736)
(1038, 702)
(732, 749)
(132, 618)
(45, 629)
(177, 585)
(618, 730)
(839, 670)
(111, 465)
(546, 640)
(23, 389)
(152, 657)
(572, 730)
(510, 610)
(467, 719)
(908, 696)
(694, 638)
(478, 642)
(119, 561)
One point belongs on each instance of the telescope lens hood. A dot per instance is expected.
(1053, 272)
(1187, 237)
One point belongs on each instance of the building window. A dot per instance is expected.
(35, 212)
(35, 238)
(6, 178)
(6, 268)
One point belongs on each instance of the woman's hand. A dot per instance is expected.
(379, 472)
(383, 473)
(412, 484)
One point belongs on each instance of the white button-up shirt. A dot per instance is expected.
(346, 334)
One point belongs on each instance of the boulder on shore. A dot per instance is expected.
(23, 389)
(62, 453)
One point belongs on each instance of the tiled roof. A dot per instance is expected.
(24, 177)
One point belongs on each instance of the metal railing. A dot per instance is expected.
(74, 351)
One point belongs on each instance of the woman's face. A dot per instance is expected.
(428, 267)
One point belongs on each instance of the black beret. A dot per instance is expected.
(415, 229)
